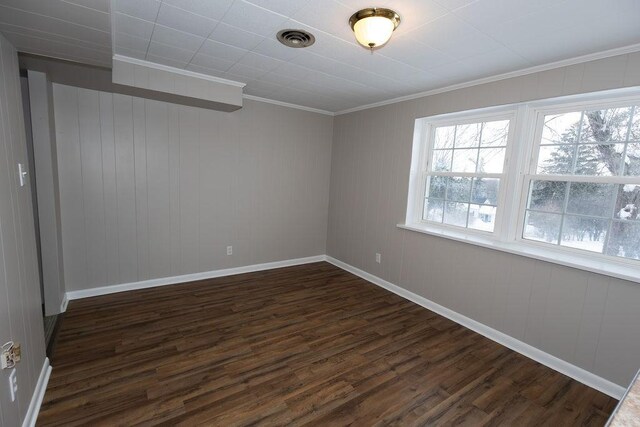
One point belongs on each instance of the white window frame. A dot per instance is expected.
(426, 131)
(520, 169)
(537, 117)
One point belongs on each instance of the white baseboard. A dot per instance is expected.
(104, 290)
(566, 368)
(594, 381)
(63, 304)
(38, 395)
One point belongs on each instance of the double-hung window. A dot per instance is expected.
(557, 179)
(583, 185)
(463, 171)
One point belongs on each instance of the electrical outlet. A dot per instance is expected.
(229, 250)
(13, 385)
(378, 258)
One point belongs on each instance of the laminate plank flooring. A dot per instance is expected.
(304, 345)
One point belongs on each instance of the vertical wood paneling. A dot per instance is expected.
(189, 190)
(520, 280)
(72, 215)
(158, 190)
(20, 300)
(212, 188)
(10, 227)
(618, 342)
(246, 199)
(29, 289)
(92, 184)
(565, 301)
(109, 187)
(174, 188)
(566, 312)
(125, 189)
(590, 320)
(39, 114)
(141, 181)
(162, 190)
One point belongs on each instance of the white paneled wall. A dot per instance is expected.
(150, 189)
(20, 302)
(589, 320)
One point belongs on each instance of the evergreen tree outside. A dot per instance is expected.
(599, 143)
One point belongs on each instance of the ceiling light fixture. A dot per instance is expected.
(373, 26)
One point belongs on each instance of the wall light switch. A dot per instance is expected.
(229, 250)
(22, 174)
(378, 258)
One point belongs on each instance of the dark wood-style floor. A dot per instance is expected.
(310, 344)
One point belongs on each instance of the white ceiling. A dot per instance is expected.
(438, 43)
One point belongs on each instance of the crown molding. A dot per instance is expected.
(175, 70)
(536, 69)
(289, 105)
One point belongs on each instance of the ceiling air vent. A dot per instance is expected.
(296, 38)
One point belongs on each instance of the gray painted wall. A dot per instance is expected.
(150, 189)
(46, 177)
(20, 302)
(586, 319)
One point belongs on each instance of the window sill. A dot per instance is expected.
(586, 263)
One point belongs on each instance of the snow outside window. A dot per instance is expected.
(555, 179)
(463, 171)
(584, 186)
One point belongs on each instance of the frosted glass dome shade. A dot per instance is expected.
(373, 26)
(373, 31)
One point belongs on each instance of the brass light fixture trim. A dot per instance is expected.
(370, 12)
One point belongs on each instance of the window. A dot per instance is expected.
(584, 185)
(463, 168)
(556, 179)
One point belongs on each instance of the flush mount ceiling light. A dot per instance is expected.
(373, 26)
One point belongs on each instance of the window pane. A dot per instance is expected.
(628, 202)
(433, 210)
(561, 128)
(605, 125)
(491, 160)
(473, 149)
(441, 160)
(543, 227)
(485, 191)
(458, 189)
(586, 198)
(482, 217)
(584, 233)
(632, 160)
(599, 160)
(635, 125)
(547, 196)
(437, 186)
(468, 135)
(624, 239)
(465, 160)
(456, 213)
(556, 159)
(495, 134)
(444, 137)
